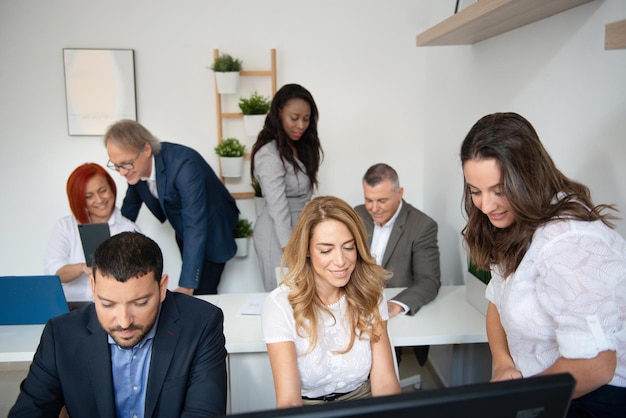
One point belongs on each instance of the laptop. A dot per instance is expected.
(31, 299)
(91, 235)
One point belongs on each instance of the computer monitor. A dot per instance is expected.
(534, 397)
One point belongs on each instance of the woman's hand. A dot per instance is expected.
(508, 373)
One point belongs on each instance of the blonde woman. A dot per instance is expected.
(325, 326)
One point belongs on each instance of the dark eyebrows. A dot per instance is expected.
(147, 296)
(495, 186)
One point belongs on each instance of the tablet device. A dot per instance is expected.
(91, 235)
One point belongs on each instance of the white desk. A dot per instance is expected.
(449, 319)
(19, 342)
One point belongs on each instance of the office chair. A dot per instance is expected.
(30, 299)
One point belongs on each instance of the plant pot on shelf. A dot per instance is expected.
(242, 247)
(227, 83)
(231, 166)
(253, 124)
(226, 73)
(254, 109)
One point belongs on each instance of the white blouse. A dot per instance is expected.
(322, 370)
(567, 297)
(65, 248)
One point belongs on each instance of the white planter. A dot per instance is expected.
(227, 83)
(259, 202)
(231, 166)
(253, 124)
(475, 292)
(242, 247)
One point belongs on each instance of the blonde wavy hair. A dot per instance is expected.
(364, 289)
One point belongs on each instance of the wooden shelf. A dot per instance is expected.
(615, 35)
(237, 115)
(242, 195)
(487, 18)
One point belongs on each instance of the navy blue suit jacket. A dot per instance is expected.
(72, 365)
(194, 200)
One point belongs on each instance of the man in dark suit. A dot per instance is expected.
(404, 241)
(177, 184)
(138, 350)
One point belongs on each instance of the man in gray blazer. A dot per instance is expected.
(404, 241)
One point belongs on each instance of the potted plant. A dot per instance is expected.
(231, 152)
(226, 70)
(259, 200)
(254, 109)
(242, 233)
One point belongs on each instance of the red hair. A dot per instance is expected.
(76, 184)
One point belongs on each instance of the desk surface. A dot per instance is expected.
(449, 319)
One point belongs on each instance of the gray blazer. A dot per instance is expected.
(286, 192)
(412, 255)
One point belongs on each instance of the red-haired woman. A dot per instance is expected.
(91, 193)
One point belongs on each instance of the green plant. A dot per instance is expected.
(255, 104)
(225, 63)
(244, 229)
(482, 275)
(230, 147)
(257, 188)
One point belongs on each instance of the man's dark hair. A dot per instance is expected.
(127, 255)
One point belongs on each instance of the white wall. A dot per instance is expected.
(380, 98)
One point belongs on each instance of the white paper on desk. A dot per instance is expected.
(253, 304)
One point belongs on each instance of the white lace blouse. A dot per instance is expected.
(322, 370)
(567, 298)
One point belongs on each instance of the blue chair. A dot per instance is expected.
(30, 299)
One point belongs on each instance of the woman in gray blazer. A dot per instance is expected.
(285, 161)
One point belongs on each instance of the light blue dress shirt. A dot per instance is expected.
(131, 367)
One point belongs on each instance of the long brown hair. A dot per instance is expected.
(535, 189)
(363, 291)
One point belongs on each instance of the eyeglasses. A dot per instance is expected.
(126, 166)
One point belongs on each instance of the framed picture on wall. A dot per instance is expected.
(462, 4)
(99, 88)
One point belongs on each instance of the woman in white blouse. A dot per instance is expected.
(325, 326)
(91, 192)
(558, 288)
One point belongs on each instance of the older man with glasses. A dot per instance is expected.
(177, 184)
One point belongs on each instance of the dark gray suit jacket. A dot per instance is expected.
(412, 255)
(72, 365)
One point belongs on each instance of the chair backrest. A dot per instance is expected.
(30, 299)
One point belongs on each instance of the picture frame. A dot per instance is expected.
(462, 4)
(99, 89)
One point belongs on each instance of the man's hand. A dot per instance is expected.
(184, 290)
